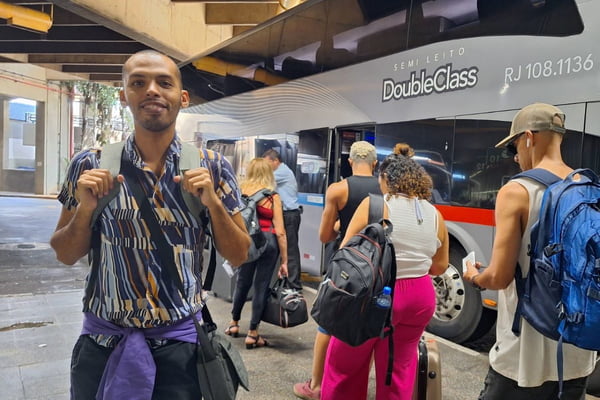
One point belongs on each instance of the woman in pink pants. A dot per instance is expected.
(421, 242)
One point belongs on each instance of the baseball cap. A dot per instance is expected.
(535, 117)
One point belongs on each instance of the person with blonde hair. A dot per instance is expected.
(421, 243)
(258, 273)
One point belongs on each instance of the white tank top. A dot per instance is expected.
(414, 235)
(531, 358)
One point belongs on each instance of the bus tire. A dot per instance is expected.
(460, 316)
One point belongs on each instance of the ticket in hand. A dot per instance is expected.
(469, 257)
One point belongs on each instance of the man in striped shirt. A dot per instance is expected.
(138, 340)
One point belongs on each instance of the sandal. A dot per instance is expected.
(233, 330)
(258, 341)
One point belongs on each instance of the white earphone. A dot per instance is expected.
(527, 143)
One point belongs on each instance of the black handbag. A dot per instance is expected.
(220, 367)
(285, 306)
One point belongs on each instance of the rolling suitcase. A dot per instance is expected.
(428, 383)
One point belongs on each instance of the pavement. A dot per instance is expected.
(40, 320)
(38, 331)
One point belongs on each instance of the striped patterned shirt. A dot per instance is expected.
(131, 289)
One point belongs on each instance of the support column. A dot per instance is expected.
(40, 147)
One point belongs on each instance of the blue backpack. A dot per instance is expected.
(560, 297)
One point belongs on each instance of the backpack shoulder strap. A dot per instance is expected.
(547, 179)
(540, 175)
(191, 157)
(258, 196)
(110, 159)
(375, 208)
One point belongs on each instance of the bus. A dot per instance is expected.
(444, 76)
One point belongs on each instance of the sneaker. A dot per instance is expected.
(304, 391)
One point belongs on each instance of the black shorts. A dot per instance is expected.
(499, 387)
(176, 376)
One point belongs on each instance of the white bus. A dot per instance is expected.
(444, 76)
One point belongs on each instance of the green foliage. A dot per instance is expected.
(100, 107)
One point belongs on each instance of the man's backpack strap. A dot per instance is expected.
(547, 179)
(193, 157)
(540, 175)
(190, 158)
(110, 159)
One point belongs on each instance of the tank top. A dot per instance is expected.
(265, 215)
(359, 187)
(530, 359)
(414, 234)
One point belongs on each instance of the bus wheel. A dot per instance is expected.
(459, 315)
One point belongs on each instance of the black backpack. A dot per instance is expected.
(259, 240)
(357, 273)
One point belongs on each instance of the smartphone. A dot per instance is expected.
(469, 257)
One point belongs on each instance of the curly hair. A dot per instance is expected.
(403, 175)
(259, 172)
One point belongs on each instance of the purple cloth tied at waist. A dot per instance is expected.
(130, 370)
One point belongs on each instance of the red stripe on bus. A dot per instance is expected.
(467, 215)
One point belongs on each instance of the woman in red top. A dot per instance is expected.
(258, 274)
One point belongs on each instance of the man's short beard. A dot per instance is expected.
(156, 125)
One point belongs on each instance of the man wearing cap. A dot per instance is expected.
(525, 367)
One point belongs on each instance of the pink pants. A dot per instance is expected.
(346, 374)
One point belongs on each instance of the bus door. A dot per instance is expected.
(311, 174)
(343, 138)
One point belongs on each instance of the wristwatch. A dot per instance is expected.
(475, 285)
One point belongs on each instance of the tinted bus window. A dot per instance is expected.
(572, 143)
(432, 141)
(479, 169)
(311, 168)
(437, 20)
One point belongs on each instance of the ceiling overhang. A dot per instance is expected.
(82, 43)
